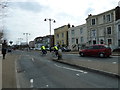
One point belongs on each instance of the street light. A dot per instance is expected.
(26, 37)
(50, 20)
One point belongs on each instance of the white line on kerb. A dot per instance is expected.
(70, 68)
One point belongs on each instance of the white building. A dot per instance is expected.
(77, 37)
(117, 26)
(101, 28)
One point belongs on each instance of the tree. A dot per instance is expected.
(11, 42)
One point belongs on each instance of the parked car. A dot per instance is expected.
(96, 50)
(65, 49)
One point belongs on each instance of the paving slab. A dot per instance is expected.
(0, 71)
(8, 71)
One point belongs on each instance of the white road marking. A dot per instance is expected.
(31, 83)
(70, 68)
(114, 62)
(85, 72)
(77, 74)
(89, 60)
(46, 85)
(33, 59)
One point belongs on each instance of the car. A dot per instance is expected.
(100, 50)
(65, 49)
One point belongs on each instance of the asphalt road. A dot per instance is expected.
(36, 71)
(112, 59)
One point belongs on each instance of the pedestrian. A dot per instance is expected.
(4, 48)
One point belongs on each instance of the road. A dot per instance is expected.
(36, 71)
(112, 59)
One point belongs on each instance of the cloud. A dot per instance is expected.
(28, 6)
(28, 15)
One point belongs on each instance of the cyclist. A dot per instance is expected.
(43, 50)
(55, 50)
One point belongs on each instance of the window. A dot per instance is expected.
(109, 41)
(109, 30)
(101, 41)
(108, 18)
(62, 34)
(93, 33)
(73, 32)
(81, 30)
(93, 21)
(94, 41)
(62, 41)
(76, 41)
(118, 27)
(73, 40)
(57, 35)
(81, 39)
(119, 42)
(96, 47)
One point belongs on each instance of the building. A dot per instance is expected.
(38, 42)
(47, 41)
(61, 35)
(117, 26)
(101, 28)
(77, 37)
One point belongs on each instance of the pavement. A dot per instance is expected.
(8, 76)
(0, 70)
(8, 71)
(106, 68)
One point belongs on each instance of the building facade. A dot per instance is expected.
(117, 25)
(101, 28)
(61, 36)
(47, 41)
(77, 37)
(38, 42)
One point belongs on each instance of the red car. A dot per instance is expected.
(96, 50)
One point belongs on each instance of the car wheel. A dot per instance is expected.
(102, 55)
(81, 54)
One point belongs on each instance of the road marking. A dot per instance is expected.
(46, 85)
(33, 60)
(89, 60)
(31, 83)
(114, 62)
(85, 72)
(70, 68)
(77, 74)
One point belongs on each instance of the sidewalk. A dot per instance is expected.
(97, 66)
(8, 71)
(0, 70)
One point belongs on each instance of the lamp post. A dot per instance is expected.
(50, 20)
(26, 37)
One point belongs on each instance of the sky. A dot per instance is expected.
(27, 16)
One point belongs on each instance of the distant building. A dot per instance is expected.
(77, 37)
(61, 35)
(47, 41)
(38, 42)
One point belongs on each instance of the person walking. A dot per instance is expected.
(4, 48)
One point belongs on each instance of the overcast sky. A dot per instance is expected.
(27, 16)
